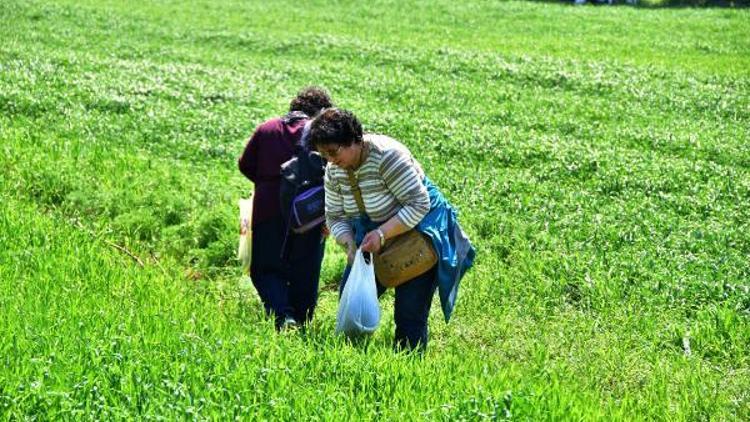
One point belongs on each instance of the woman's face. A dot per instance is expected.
(344, 157)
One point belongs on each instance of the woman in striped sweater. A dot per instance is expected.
(397, 197)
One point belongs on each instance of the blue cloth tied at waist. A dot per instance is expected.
(454, 250)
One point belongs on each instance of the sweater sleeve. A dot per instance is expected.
(248, 161)
(335, 218)
(405, 182)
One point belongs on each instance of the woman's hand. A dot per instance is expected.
(371, 242)
(351, 248)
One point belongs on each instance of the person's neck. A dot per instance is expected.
(362, 156)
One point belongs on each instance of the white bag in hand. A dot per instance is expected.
(359, 310)
(245, 248)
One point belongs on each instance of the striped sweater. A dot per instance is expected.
(391, 181)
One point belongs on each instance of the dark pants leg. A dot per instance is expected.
(412, 309)
(267, 271)
(304, 276)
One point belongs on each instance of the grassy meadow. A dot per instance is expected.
(599, 158)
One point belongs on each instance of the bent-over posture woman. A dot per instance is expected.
(396, 197)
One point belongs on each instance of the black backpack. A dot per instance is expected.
(301, 192)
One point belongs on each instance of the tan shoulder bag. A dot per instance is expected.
(402, 258)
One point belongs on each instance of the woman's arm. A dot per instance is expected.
(248, 161)
(405, 182)
(374, 240)
(336, 220)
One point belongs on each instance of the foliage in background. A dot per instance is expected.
(662, 3)
(599, 161)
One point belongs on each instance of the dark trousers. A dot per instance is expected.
(411, 309)
(287, 287)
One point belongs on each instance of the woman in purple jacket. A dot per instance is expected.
(287, 286)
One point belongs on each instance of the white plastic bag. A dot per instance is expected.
(245, 248)
(359, 310)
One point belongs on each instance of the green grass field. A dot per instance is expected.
(599, 157)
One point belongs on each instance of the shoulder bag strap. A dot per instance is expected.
(356, 191)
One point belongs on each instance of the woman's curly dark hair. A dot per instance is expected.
(310, 101)
(335, 126)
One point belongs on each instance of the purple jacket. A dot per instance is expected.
(271, 145)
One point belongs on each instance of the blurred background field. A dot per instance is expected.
(599, 157)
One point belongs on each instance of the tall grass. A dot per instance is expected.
(598, 156)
